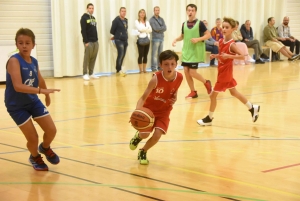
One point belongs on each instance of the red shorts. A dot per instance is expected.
(222, 86)
(161, 122)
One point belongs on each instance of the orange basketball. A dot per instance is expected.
(142, 119)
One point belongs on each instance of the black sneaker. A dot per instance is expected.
(142, 156)
(294, 57)
(264, 56)
(254, 112)
(205, 122)
(259, 61)
(134, 141)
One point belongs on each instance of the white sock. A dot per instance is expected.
(211, 115)
(248, 105)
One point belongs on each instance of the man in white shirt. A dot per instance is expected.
(286, 37)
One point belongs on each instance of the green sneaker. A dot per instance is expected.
(134, 141)
(142, 156)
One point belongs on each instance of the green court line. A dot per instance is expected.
(131, 187)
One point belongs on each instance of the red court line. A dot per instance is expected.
(265, 171)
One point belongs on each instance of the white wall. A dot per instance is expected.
(68, 48)
(293, 11)
(33, 14)
(67, 40)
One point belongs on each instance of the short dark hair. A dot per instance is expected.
(269, 19)
(168, 54)
(122, 8)
(192, 6)
(25, 32)
(89, 4)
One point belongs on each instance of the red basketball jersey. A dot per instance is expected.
(225, 66)
(158, 100)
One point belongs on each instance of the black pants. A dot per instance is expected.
(292, 45)
(143, 53)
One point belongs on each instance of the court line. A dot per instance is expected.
(280, 168)
(200, 101)
(123, 186)
(200, 173)
(116, 171)
(82, 179)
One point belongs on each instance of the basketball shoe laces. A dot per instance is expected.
(39, 160)
(50, 153)
(136, 141)
(143, 155)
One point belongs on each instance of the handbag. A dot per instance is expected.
(143, 41)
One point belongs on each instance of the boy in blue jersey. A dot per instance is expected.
(23, 82)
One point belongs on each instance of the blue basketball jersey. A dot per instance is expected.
(29, 74)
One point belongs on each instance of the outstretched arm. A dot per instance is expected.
(179, 38)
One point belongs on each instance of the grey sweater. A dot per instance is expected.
(158, 28)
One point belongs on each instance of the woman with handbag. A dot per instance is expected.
(143, 42)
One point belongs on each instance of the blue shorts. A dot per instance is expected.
(22, 114)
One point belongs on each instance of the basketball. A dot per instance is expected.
(142, 119)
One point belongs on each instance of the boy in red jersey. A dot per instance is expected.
(159, 97)
(228, 51)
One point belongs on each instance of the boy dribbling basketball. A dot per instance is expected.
(159, 97)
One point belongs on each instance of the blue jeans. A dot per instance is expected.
(157, 48)
(214, 50)
(121, 48)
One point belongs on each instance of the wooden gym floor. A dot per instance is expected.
(235, 159)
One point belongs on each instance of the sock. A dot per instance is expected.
(210, 114)
(248, 105)
(45, 148)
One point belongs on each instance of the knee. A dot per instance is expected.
(233, 93)
(144, 135)
(51, 130)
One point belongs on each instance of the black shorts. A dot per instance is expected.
(190, 65)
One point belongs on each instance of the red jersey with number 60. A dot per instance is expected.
(225, 78)
(158, 100)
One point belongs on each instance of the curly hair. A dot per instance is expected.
(230, 21)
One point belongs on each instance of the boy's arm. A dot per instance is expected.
(179, 38)
(150, 87)
(13, 69)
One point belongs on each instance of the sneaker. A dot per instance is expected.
(121, 73)
(254, 112)
(86, 77)
(50, 155)
(294, 57)
(134, 141)
(38, 163)
(208, 86)
(205, 122)
(193, 94)
(264, 56)
(142, 156)
(94, 76)
(259, 61)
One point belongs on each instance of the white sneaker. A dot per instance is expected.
(255, 112)
(86, 77)
(94, 76)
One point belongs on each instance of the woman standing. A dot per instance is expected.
(144, 28)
